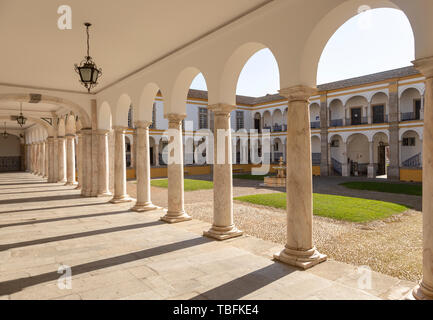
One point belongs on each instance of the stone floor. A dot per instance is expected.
(118, 254)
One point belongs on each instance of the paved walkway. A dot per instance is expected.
(118, 254)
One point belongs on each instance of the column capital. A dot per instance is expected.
(298, 93)
(120, 129)
(175, 117)
(221, 108)
(425, 66)
(142, 124)
(102, 132)
(69, 135)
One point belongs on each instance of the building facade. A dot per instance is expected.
(368, 126)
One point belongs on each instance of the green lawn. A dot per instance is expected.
(248, 177)
(400, 188)
(189, 184)
(335, 207)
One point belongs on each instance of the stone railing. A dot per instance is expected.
(413, 162)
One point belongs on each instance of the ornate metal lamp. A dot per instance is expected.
(21, 119)
(88, 71)
(5, 134)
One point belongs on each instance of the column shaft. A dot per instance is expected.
(104, 166)
(120, 194)
(176, 212)
(79, 151)
(425, 289)
(142, 165)
(299, 250)
(61, 159)
(223, 226)
(70, 160)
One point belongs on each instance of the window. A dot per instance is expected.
(202, 118)
(408, 142)
(239, 120)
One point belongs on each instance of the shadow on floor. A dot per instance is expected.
(16, 285)
(53, 208)
(78, 235)
(247, 284)
(35, 221)
(41, 199)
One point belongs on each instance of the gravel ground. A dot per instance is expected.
(392, 246)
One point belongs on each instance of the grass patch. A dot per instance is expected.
(335, 207)
(248, 177)
(400, 188)
(189, 184)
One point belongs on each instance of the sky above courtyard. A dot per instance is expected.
(373, 41)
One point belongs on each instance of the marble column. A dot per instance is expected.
(87, 163)
(142, 165)
(41, 159)
(299, 250)
(43, 173)
(223, 226)
(120, 194)
(70, 160)
(176, 211)
(56, 159)
(156, 152)
(51, 176)
(425, 289)
(79, 151)
(371, 170)
(62, 159)
(345, 172)
(37, 159)
(104, 166)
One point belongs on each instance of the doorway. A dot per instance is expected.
(356, 114)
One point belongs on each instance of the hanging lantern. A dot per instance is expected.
(88, 71)
(21, 119)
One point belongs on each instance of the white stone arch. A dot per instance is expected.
(358, 148)
(407, 97)
(372, 134)
(403, 131)
(420, 87)
(378, 98)
(267, 119)
(357, 101)
(104, 116)
(121, 110)
(144, 109)
(314, 112)
(335, 16)
(233, 67)
(277, 117)
(371, 95)
(176, 101)
(43, 98)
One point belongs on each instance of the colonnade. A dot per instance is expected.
(54, 158)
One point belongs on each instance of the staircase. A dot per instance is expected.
(337, 166)
(413, 162)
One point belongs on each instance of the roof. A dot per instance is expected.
(371, 78)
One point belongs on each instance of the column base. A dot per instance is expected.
(121, 199)
(301, 259)
(78, 186)
(176, 217)
(371, 172)
(223, 233)
(104, 194)
(420, 292)
(61, 181)
(144, 207)
(71, 183)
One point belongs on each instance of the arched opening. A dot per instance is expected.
(356, 111)
(128, 151)
(10, 152)
(267, 120)
(379, 110)
(278, 152)
(277, 121)
(411, 149)
(258, 122)
(315, 116)
(410, 105)
(316, 150)
(358, 154)
(381, 154)
(336, 113)
(337, 155)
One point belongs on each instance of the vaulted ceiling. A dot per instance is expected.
(125, 36)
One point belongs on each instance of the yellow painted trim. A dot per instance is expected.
(316, 170)
(411, 175)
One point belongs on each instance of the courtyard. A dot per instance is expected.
(115, 253)
(392, 245)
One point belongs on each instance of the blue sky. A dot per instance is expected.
(373, 41)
